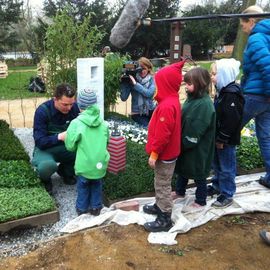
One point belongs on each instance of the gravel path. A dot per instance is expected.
(20, 242)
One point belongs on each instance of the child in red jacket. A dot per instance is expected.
(163, 146)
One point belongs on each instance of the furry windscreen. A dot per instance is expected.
(128, 22)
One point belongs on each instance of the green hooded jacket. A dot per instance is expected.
(88, 135)
(198, 138)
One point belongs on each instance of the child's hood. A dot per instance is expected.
(227, 71)
(91, 116)
(168, 81)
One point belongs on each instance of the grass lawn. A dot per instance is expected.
(15, 85)
(205, 65)
(22, 68)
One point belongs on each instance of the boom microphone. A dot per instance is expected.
(128, 22)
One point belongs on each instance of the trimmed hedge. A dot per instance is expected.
(10, 145)
(18, 203)
(248, 153)
(19, 62)
(21, 192)
(137, 178)
(17, 174)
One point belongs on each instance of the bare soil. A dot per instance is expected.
(229, 243)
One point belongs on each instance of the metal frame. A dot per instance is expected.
(149, 21)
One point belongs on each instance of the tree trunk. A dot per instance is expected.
(241, 37)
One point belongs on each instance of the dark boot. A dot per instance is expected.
(163, 223)
(95, 211)
(263, 181)
(80, 212)
(70, 180)
(151, 209)
(48, 186)
(211, 191)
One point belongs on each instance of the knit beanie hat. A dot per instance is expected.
(86, 98)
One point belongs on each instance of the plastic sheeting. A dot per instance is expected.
(250, 197)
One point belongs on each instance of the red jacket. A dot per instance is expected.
(164, 130)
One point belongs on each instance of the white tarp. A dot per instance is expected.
(250, 197)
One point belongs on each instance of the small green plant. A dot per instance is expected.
(171, 251)
(238, 220)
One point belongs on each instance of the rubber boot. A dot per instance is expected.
(163, 223)
(48, 186)
(151, 209)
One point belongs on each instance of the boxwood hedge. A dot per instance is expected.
(18, 203)
(137, 178)
(21, 192)
(17, 174)
(11, 147)
(248, 153)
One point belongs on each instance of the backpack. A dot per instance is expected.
(36, 85)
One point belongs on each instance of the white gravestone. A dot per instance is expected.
(90, 75)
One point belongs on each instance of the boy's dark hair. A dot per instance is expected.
(64, 89)
(201, 80)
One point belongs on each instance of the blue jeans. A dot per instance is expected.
(201, 190)
(224, 166)
(89, 194)
(258, 107)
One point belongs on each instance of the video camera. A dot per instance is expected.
(130, 68)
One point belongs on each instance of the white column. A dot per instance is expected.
(90, 75)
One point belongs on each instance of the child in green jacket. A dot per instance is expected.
(198, 137)
(88, 135)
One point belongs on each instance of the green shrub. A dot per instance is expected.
(11, 147)
(113, 64)
(136, 179)
(17, 174)
(67, 40)
(19, 203)
(3, 126)
(19, 62)
(248, 154)
(218, 56)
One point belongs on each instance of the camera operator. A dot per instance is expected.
(141, 86)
